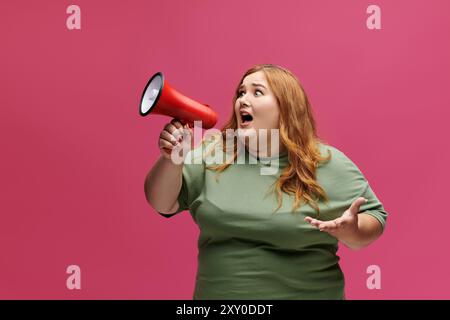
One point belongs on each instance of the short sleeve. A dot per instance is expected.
(193, 177)
(374, 207)
(182, 197)
(349, 183)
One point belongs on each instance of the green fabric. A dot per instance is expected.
(247, 252)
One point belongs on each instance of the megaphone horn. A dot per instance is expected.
(161, 98)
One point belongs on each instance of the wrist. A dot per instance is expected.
(170, 162)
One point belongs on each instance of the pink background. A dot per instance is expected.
(75, 152)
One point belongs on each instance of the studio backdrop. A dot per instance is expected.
(74, 221)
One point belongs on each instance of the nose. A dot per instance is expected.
(243, 100)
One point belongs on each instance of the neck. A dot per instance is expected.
(282, 150)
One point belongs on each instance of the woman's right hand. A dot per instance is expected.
(173, 137)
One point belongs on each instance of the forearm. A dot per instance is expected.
(369, 229)
(163, 184)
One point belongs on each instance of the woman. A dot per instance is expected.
(268, 236)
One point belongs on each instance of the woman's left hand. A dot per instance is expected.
(345, 226)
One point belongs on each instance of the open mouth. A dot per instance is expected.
(246, 118)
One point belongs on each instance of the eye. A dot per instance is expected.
(240, 93)
(258, 91)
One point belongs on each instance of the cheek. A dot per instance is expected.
(236, 109)
(271, 122)
(268, 115)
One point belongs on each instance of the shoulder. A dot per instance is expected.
(339, 165)
(326, 149)
(340, 177)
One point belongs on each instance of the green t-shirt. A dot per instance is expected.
(245, 251)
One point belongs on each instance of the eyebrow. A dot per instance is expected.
(254, 84)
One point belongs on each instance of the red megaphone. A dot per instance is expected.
(160, 98)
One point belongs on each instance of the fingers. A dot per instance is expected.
(163, 143)
(172, 132)
(327, 226)
(167, 137)
(175, 128)
(188, 127)
(167, 141)
(330, 226)
(313, 222)
(176, 123)
(174, 136)
(355, 207)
